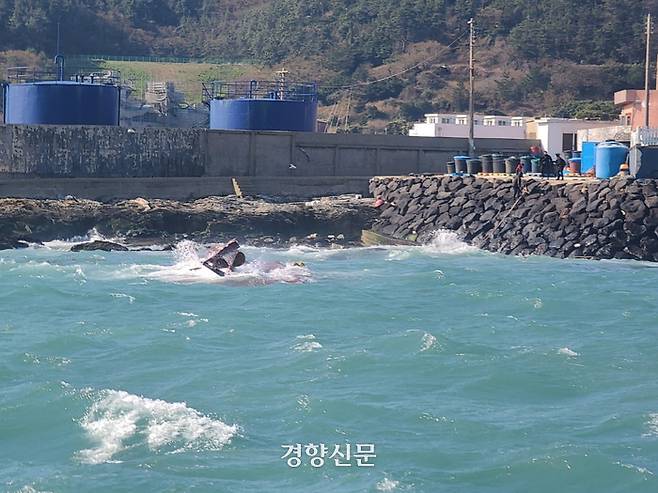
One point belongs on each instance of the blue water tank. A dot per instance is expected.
(588, 156)
(263, 114)
(62, 103)
(609, 155)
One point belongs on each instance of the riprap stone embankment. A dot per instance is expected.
(615, 218)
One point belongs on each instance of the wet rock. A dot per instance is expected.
(102, 245)
(13, 244)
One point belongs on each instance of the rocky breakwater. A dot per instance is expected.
(616, 218)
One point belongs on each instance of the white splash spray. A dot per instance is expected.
(567, 352)
(428, 342)
(387, 484)
(444, 242)
(117, 417)
(307, 344)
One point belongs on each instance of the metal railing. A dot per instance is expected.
(17, 75)
(644, 136)
(255, 89)
(155, 59)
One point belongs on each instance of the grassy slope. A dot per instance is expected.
(187, 77)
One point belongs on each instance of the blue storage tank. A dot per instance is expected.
(62, 103)
(609, 155)
(263, 114)
(263, 105)
(588, 156)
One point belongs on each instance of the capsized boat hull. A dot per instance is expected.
(372, 238)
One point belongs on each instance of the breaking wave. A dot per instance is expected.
(447, 242)
(118, 420)
(188, 268)
(66, 244)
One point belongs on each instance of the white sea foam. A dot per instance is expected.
(92, 235)
(117, 417)
(652, 424)
(444, 242)
(188, 268)
(567, 352)
(633, 467)
(304, 402)
(31, 489)
(307, 343)
(387, 484)
(428, 342)
(131, 299)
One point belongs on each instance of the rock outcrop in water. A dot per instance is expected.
(322, 221)
(615, 218)
(99, 245)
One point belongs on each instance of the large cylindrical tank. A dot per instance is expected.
(263, 114)
(609, 155)
(61, 103)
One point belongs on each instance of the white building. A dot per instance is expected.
(485, 126)
(561, 134)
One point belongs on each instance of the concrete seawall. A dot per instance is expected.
(65, 152)
(615, 218)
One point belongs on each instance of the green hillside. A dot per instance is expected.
(533, 57)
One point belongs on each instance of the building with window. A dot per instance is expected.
(631, 107)
(561, 134)
(486, 126)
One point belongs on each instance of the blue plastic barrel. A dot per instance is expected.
(460, 163)
(609, 155)
(473, 166)
(498, 163)
(536, 165)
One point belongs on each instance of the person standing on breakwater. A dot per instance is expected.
(517, 182)
(560, 164)
(546, 165)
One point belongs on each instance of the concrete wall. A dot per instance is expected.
(315, 154)
(99, 152)
(74, 151)
(107, 189)
(620, 133)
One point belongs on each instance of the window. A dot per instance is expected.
(517, 123)
(489, 123)
(568, 142)
(476, 122)
(461, 121)
(445, 120)
(502, 123)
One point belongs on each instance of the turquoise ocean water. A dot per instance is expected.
(468, 371)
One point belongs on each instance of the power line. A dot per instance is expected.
(397, 74)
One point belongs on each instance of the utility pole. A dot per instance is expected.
(471, 103)
(647, 62)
